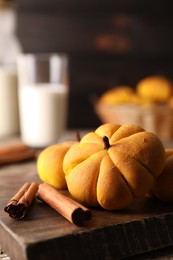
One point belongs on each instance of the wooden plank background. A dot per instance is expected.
(109, 43)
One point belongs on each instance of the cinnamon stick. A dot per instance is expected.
(16, 153)
(17, 207)
(11, 148)
(67, 207)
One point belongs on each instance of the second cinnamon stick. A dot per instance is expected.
(67, 207)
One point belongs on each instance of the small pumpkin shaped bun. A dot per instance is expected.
(163, 187)
(118, 95)
(49, 164)
(155, 89)
(113, 165)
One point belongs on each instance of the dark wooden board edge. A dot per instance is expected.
(10, 245)
(115, 241)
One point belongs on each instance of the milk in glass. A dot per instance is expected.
(43, 98)
(9, 49)
(43, 113)
(9, 117)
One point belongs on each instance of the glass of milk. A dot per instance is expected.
(9, 117)
(10, 47)
(43, 97)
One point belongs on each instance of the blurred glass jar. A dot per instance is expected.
(10, 47)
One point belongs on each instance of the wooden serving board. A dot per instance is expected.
(44, 234)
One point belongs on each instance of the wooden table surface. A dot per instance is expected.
(145, 226)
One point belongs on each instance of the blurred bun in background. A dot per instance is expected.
(149, 104)
(155, 89)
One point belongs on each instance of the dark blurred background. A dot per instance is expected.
(108, 42)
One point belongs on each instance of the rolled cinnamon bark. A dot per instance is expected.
(20, 202)
(16, 153)
(67, 207)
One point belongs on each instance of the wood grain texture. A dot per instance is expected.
(145, 226)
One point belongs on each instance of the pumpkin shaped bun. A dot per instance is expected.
(155, 89)
(118, 95)
(49, 164)
(163, 187)
(113, 165)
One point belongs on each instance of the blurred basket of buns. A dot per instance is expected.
(149, 104)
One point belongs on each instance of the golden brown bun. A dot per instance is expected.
(155, 89)
(112, 177)
(163, 187)
(119, 95)
(49, 164)
(170, 102)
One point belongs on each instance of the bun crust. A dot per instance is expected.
(112, 177)
(163, 187)
(155, 89)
